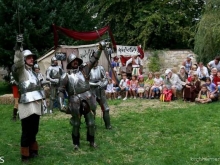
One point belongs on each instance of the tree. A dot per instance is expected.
(154, 24)
(36, 18)
(207, 38)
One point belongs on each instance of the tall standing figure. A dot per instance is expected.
(80, 99)
(31, 95)
(98, 83)
(53, 75)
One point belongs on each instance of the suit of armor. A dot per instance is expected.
(76, 83)
(31, 96)
(98, 83)
(53, 74)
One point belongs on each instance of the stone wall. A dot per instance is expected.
(169, 59)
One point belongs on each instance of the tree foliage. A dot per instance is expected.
(154, 24)
(36, 19)
(157, 24)
(207, 38)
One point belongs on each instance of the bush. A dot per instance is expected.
(154, 62)
(5, 88)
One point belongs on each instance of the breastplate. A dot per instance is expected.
(55, 72)
(30, 90)
(95, 75)
(77, 83)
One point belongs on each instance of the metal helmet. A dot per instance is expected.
(72, 57)
(36, 66)
(53, 59)
(29, 53)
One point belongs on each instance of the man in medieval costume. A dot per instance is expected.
(80, 99)
(53, 75)
(137, 64)
(98, 83)
(31, 95)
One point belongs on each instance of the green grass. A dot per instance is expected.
(144, 132)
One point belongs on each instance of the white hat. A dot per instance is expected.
(168, 71)
(190, 56)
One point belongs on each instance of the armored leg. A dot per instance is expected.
(106, 118)
(105, 109)
(52, 97)
(75, 122)
(90, 122)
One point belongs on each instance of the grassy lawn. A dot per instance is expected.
(144, 132)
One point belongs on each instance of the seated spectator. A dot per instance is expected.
(173, 82)
(110, 90)
(203, 96)
(148, 83)
(108, 77)
(214, 64)
(157, 86)
(202, 72)
(183, 77)
(213, 89)
(133, 86)
(192, 88)
(213, 73)
(188, 63)
(216, 81)
(140, 89)
(123, 86)
(194, 67)
(182, 74)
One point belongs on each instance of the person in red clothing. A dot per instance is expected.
(216, 80)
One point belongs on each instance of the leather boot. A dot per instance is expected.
(106, 119)
(25, 154)
(33, 150)
(14, 116)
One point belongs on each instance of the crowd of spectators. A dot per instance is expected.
(194, 82)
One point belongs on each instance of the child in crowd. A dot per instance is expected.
(148, 84)
(213, 89)
(216, 81)
(140, 89)
(157, 87)
(203, 96)
(213, 73)
(123, 86)
(133, 86)
(110, 89)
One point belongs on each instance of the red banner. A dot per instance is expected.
(86, 36)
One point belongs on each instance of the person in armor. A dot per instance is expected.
(98, 82)
(53, 75)
(15, 95)
(40, 77)
(76, 83)
(31, 95)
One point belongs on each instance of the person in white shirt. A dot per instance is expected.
(214, 64)
(137, 64)
(173, 82)
(123, 86)
(110, 90)
(202, 72)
